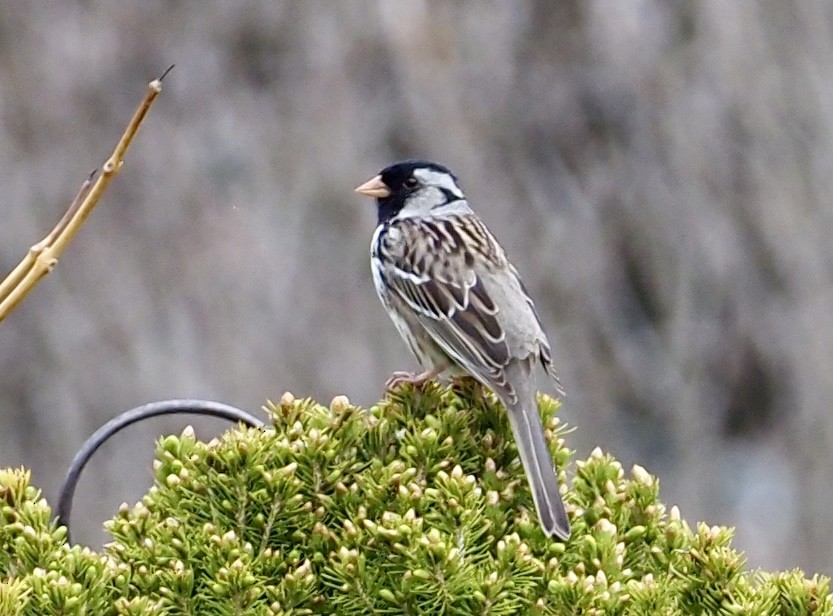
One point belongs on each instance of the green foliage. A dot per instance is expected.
(40, 573)
(417, 506)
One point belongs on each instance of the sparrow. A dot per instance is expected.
(462, 309)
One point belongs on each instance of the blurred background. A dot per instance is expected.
(660, 172)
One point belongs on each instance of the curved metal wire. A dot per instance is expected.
(146, 411)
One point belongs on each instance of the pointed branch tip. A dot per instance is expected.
(165, 74)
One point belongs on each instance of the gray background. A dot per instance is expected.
(660, 172)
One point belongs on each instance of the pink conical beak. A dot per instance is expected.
(374, 187)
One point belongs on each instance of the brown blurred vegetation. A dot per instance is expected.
(659, 171)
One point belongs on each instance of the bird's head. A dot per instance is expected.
(410, 189)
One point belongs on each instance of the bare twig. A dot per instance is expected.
(43, 256)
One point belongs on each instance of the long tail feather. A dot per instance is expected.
(539, 467)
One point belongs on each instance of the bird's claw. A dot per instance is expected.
(417, 380)
(399, 377)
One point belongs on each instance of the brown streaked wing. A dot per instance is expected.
(448, 296)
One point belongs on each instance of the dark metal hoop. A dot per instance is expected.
(146, 411)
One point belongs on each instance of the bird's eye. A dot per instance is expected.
(411, 183)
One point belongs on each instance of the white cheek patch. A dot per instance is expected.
(430, 177)
(422, 201)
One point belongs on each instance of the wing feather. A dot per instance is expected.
(444, 285)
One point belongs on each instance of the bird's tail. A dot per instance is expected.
(539, 466)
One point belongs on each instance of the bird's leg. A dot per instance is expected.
(399, 377)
